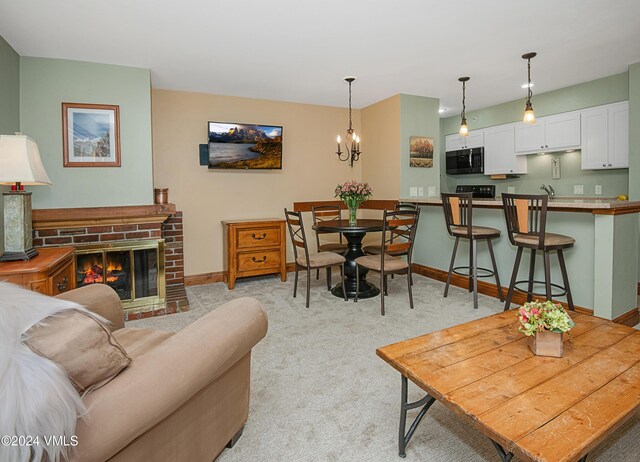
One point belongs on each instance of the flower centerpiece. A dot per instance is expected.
(353, 194)
(544, 323)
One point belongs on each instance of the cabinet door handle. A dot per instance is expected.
(259, 238)
(604, 165)
(62, 285)
(264, 258)
(542, 146)
(610, 165)
(546, 146)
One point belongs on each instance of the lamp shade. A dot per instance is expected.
(20, 161)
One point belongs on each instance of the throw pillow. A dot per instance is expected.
(82, 345)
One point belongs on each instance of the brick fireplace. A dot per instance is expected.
(103, 226)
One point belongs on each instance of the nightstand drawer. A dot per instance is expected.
(256, 261)
(258, 237)
(62, 280)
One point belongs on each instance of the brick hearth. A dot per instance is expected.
(82, 226)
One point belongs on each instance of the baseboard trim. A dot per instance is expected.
(484, 287)
(204, 278)
(630, 318)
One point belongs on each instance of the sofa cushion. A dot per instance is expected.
(137, 342)
(82, 345)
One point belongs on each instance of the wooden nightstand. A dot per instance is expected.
(255, 247)
(51, 272)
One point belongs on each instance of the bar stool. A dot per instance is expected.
(526, 217)
(458, 214)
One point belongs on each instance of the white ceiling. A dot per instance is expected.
(298, 50)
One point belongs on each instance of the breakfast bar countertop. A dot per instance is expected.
(604, 206)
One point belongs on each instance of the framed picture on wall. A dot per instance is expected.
(420, 152)
(90, 135)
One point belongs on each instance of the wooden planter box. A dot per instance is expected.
(546, 344)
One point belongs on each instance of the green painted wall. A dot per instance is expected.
(634, 132)
(9, 103)
(597, 92)
(44, 85)
(419, 117)
(9, 89)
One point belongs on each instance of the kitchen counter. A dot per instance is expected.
(599, 206)
(602, 266)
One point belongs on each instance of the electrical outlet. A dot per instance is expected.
(413, 191)
(598, 189)
(420, 191)
(511, 189)
(432, 191)
(578, 189)
(555, 169)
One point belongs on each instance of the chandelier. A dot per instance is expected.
(352, 141)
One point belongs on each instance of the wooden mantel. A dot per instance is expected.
(83, 216)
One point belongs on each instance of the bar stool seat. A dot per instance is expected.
(552, 241)
(480, 232)
(458, 216)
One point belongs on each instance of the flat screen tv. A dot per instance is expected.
(244, 146)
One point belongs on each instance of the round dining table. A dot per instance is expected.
(354, 235)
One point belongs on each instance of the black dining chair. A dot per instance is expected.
(308, 261)
(398, 236)
(322, 214)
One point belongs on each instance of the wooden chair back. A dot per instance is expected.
(399, 206)
(526, 214)
(458, 212)
(323, 213)
(296, 231)
(398, 233)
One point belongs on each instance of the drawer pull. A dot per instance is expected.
(62, 285)
(264, 258)
(259, 238)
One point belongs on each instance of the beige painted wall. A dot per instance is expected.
(381, 147)
(310, 168)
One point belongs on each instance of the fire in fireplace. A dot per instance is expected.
(134, 269)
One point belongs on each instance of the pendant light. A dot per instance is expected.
(352, 141)
(529, 116)
(464, 130)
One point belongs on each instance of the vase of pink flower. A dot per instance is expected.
(544, 323)
(353, 194)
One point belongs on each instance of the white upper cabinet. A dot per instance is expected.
(552, 133)
(605, 137)
(499, 151)
(457, 142)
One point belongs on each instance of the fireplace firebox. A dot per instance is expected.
(134, 269)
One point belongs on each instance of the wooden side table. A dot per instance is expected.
(254, 247)
(51, 272)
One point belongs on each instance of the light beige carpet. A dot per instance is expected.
(320, 393)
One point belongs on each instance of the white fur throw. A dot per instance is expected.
(36, 396)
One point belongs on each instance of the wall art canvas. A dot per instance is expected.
(420, 151)
(90, 135)
(244, 146)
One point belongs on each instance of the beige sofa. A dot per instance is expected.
(184, 397)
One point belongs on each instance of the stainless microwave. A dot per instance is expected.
(465, 161)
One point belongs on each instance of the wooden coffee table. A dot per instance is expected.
(534, 407)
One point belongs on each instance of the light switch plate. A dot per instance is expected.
(598, 189)
(578, 189)
(432, 191)
(413, 191)
(555, 169)
(511, 189)
(420, 191)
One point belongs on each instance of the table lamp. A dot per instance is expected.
(20, 164)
